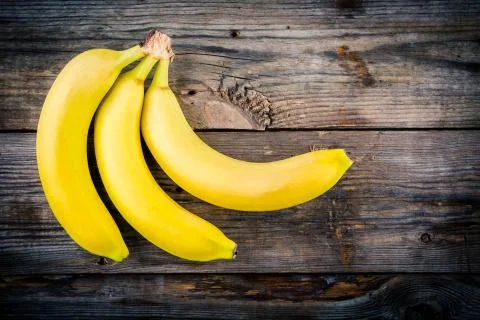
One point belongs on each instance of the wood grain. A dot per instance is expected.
(408, 210)
(223, 296)
(410, 203)
(254, 65)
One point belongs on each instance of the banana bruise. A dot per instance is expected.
(221, 180)
(131, 186)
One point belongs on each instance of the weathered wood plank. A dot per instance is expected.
(241, 296)
(410, 203)
(301, 64)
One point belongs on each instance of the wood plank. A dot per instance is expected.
(254, 65)
(224, 296)
(410, 203)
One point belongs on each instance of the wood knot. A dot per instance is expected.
(243, 95)
(426, 237)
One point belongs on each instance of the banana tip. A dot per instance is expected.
(349, 161)
(234, 255)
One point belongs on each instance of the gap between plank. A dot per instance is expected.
(302, 129)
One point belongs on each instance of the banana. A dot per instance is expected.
(224, 181)
(130, 184)
(62, 147)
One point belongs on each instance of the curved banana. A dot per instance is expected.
(224, 181)
(131, 186)
(62, 147)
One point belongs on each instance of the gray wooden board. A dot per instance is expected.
(410, 203)
(226, 296)
(254, 65)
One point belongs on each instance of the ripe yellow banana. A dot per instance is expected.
(224, 181)
(62, 147)
(132, 187)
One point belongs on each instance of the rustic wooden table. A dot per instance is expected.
(395, 83)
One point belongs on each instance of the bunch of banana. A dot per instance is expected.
(91, 81)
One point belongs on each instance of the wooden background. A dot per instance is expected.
(395, 83)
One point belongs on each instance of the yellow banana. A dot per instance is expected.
(62, 147)
(132, 187)
(224, 181)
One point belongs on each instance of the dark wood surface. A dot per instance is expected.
(395, 83)
(200, 296)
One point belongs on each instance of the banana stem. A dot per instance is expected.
(159, 45)
(156, 44)
(130, 55)
(160, 79)
(142, 70)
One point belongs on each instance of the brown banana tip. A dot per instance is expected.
(158, 45)
(235, 251)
